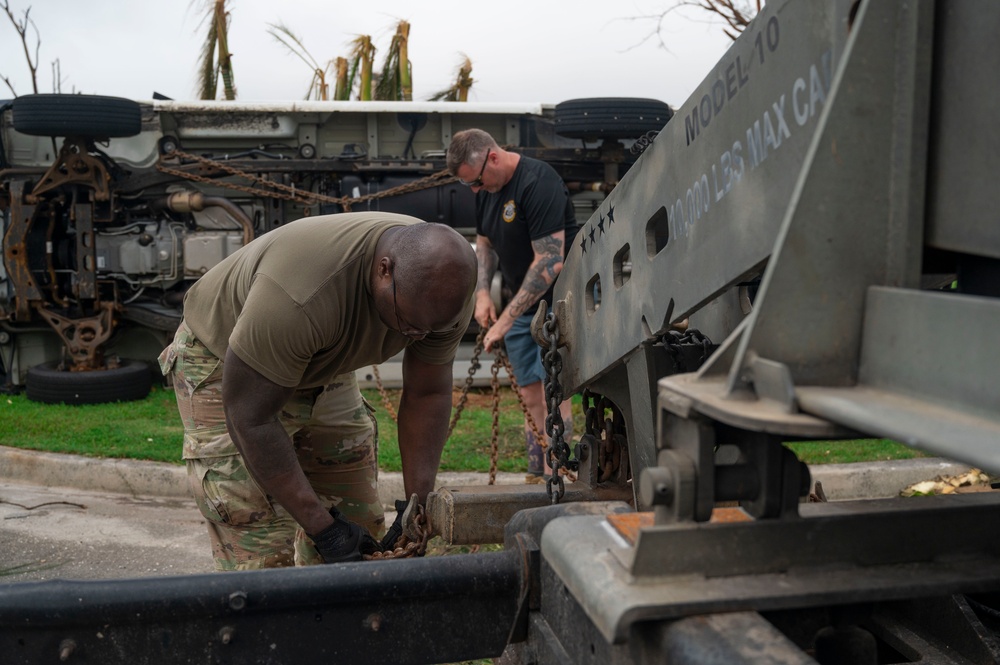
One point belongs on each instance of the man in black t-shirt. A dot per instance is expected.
(524, 222)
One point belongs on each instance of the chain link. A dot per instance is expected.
(494, 447)
(474, 366)
(558, 451)
(406, 548)
(672, 342)
(277, 190)
(500, 360)
(386, 402)
(643, 142)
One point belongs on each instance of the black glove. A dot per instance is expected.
(396, 530)
(343, 540)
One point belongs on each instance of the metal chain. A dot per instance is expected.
(290, 192)
(673, 340)
(230, 185)
(386, 402)
(406, 548)
(558, 452)
(474, 366)
(494, 448)
(643, 142)
(501, 359)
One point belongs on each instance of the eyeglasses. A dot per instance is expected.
(478, 182)
(408, 331)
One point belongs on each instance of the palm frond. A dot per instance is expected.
(342, 90)
(459, 90)
(222, 18)
(363, 54)
(284, 35)
(206, 64)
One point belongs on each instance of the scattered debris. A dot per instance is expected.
(973, 479)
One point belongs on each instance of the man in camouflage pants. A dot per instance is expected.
(280, 446)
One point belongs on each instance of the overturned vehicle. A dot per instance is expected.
(111, 208)
(817, 212)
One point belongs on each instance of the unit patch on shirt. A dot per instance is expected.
(509, 211)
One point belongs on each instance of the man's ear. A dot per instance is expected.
(384, 267)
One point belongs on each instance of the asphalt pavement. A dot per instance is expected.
(70, 517)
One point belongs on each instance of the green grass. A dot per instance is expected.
(843, 452)
(468, 449)
(150, 429)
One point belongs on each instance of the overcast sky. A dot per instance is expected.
(522, 50)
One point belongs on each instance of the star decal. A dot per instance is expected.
(600, 225)
(583, 245)
(592, 241)
(611, 215)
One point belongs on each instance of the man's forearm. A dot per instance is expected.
(251, 404)
(487, 260)
(536, 282)
(423, 428)
(541, 273)
(270, 459)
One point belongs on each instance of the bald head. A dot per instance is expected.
(435, 266)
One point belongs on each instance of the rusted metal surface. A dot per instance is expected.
(628, 525)
(413, 541)
(74, 166)
(478, 514)
(85, 284)
(15, 252)
(188, 201)
(83, 336)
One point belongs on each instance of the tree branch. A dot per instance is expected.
(22, 30)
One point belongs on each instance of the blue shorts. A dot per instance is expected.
(524, 354)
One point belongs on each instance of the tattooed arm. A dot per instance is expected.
(485, 314)
(541, 273)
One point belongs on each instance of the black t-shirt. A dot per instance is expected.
(534, 204)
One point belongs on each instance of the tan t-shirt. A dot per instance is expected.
(296, 303)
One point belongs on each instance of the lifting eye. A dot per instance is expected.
(657, 232)
(594, 293)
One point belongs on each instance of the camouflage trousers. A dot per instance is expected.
(335, 437)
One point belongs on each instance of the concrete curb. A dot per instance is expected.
(138, 478)
(867, 480)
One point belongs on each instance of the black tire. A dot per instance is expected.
(84, 116)
(49, 385)
(610, 117)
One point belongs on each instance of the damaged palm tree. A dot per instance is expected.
(318, 87)
(342, 87)
(362, 57)
(395, 81)
(459, 90)
(212, 65)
